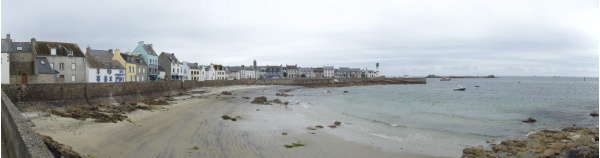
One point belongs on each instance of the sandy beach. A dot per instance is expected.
(192, 127)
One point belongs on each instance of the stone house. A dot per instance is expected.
(318, 72)
(21, 65)
(66, 58)
(172, 66)
(102, 67)
(150, 59)
(43, 71)
(141, 70)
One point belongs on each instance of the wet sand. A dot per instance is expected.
(193, 127)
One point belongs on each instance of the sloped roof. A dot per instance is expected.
(233, 68)
(291, 66)
(104, 63)
(139, 61)
(127, 57)
(43, 66)
(62, 49)
(328, 67)
(348, 69)
(218, 67)
(25, 47)
(193, 65)
(103, 54)
(171, 56)
(149, 49)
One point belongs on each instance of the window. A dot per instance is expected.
(62, 66)
(73, 66)
(52, 66)
(53, 51)
(98, 78)
(72, 78)
(109, 71)
(19, 48)
(173, 69)
(110, 79)
(142, 78)
(130, 78)
(98, 71)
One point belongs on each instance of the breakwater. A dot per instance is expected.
(62, 94)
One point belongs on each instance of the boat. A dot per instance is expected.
(460, 88)
(445, 79)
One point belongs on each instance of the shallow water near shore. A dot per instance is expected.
(433, 119)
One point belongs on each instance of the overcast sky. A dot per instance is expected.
(500, 37)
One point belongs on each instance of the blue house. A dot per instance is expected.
(186, 71)
(150, 57)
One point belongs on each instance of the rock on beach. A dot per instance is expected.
(569, 142)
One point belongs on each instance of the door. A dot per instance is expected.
(24, 79)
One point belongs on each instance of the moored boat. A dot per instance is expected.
(445, 79)
(460, 88)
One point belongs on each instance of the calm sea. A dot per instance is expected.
(433, 119)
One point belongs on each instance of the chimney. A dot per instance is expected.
(8, 36)
(110, 51)
(150, 45)
(141, 43)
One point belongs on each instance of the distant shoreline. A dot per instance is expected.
(434, 76)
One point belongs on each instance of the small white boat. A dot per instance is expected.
(445, 79)
(460, 88)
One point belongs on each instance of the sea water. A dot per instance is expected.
(435, 120)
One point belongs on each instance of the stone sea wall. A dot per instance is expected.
(61, 94)
(18, 138)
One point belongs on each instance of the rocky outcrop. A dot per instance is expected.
(259, 100)
(530, 120)
(594, 114)
(226, 93)
(570, 142)
(283, 94)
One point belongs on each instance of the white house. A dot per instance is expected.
(5, 66)
(247, 73)
(101, 67)
(214, 72)
(328, 71)
(219, 72)
(204, 72)
(161, 73)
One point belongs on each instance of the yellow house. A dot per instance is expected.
(128, 62)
